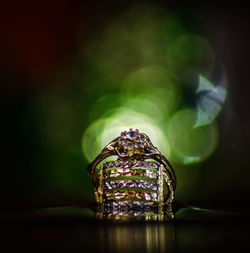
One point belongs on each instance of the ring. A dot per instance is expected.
(139, 173)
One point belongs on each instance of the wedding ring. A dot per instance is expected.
(138, 174)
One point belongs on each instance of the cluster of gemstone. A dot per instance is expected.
(129, 207)
(130, 210)
(131, 184)
(122, 174)
(123, 209)
(125, 194)
(130, 172)
(132, 140)
(130, 164)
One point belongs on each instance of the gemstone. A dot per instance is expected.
(138, 163)
(108, 185)
(113, 184)
(154, 187)
(129, 136)
(147, 196)
(117, 163)
(142, 139)
(139, 184)
(136, 145)
(154, 165)
(131, 184)
(132, 134)
(122, 142)
(150, 174)
(128, 174)
(154, 195)
(128, 146)
(127, 165)
(132, 140)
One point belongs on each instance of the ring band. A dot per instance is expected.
(140, 173)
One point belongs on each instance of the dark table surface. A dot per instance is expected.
(77, 229)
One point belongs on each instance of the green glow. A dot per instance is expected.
(190, 144)
(104, 104)
(191, 51)
(156, 84)
(90, 142)
(144, 105)
(135, 39)
(101, 132)
(123, 118)
(148, 65)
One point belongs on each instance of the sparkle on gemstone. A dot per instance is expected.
(132, 140)
(142, 139)
(154, 195)
(147, 196)
(136, 145)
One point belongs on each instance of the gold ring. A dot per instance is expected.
(140, 173)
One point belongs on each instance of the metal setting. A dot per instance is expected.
(141, 174)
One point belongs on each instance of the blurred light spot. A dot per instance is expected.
(190, 144)
(210, 101)
(191, 51)
(101, 132)
(91, 144)
(146, 66)
(134, 39)
(191, 159)
(155, 83)
(105, 103)
(145, 106)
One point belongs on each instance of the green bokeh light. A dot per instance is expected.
(191, 51)
(101, 132)
(151, 70)
(155, 83)
(188, 143)
(134, 39)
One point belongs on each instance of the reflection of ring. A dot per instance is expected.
(140, 174)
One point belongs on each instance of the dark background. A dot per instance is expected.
(39, 48)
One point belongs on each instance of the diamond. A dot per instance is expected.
(154, 187)
(154, 196)
(110, 165)
(122, 142)
(127, 165)
(142, 139)
(139, 184)
(117, 164)
(131, 135)
(132, 140)
(147, 196)
(137, 145)
(128, 146)
(130, 184)
(150, 174)
(108, 185)
(154, 165)
(138, 164)
(113, 184)
(126, 170)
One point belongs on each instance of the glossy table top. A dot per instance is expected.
(77, 229)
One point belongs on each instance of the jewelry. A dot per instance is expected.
(140, 176)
